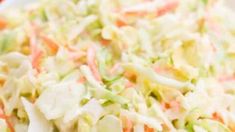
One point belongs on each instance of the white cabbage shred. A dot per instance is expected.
(117, 66)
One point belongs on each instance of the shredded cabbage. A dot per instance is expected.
(117, 65)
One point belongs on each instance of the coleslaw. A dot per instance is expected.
(120, 66)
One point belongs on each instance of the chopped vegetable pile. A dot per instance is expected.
(118, 66)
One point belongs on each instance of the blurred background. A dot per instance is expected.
(230, 3)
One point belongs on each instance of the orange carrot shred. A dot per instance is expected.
(36, 58)
(36, 53)
(82, 80)
(77, 55)
(104, 42)
(91, 61)
(167, 7)
(174, 105)
(226, 78)
(128, 125)
(166, 106)
(232, 126)
(161, 69)
(71, 48)
(6, 118)
(50, 44)
(3, 23)
(129, 84)
(10, 125)
(120, 22)
(217, 117)
(148, 129)
(136, 13)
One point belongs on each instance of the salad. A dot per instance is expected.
(117, 66)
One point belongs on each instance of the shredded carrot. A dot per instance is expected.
(3, 23)
(171, 5)
(6, 118)
(141, 10)
(165, 106)
(51, 44)
(82, 80)
(91, 61)
(232, 126)
(10, 125)
(104, 42)
(166, 127)
(174, 105)
(2, 81)
(136, 10)
(148, 129)
(77, 55)
(217, 117)
(36, 53)
(166, 69)
(136, 13)
(2, 116)
(225, 78)
(131, 78)
(36, 59)
(127, 130)
(161, 69)
(72, 48)
(69, 48)
(129, 75)
(121, 22)
(128, 125)
(32, 39)
(158, 69)
(1, 108)
(129, 84)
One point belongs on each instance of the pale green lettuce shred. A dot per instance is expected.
(209, 125)
(149, 73)
(99, 90)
